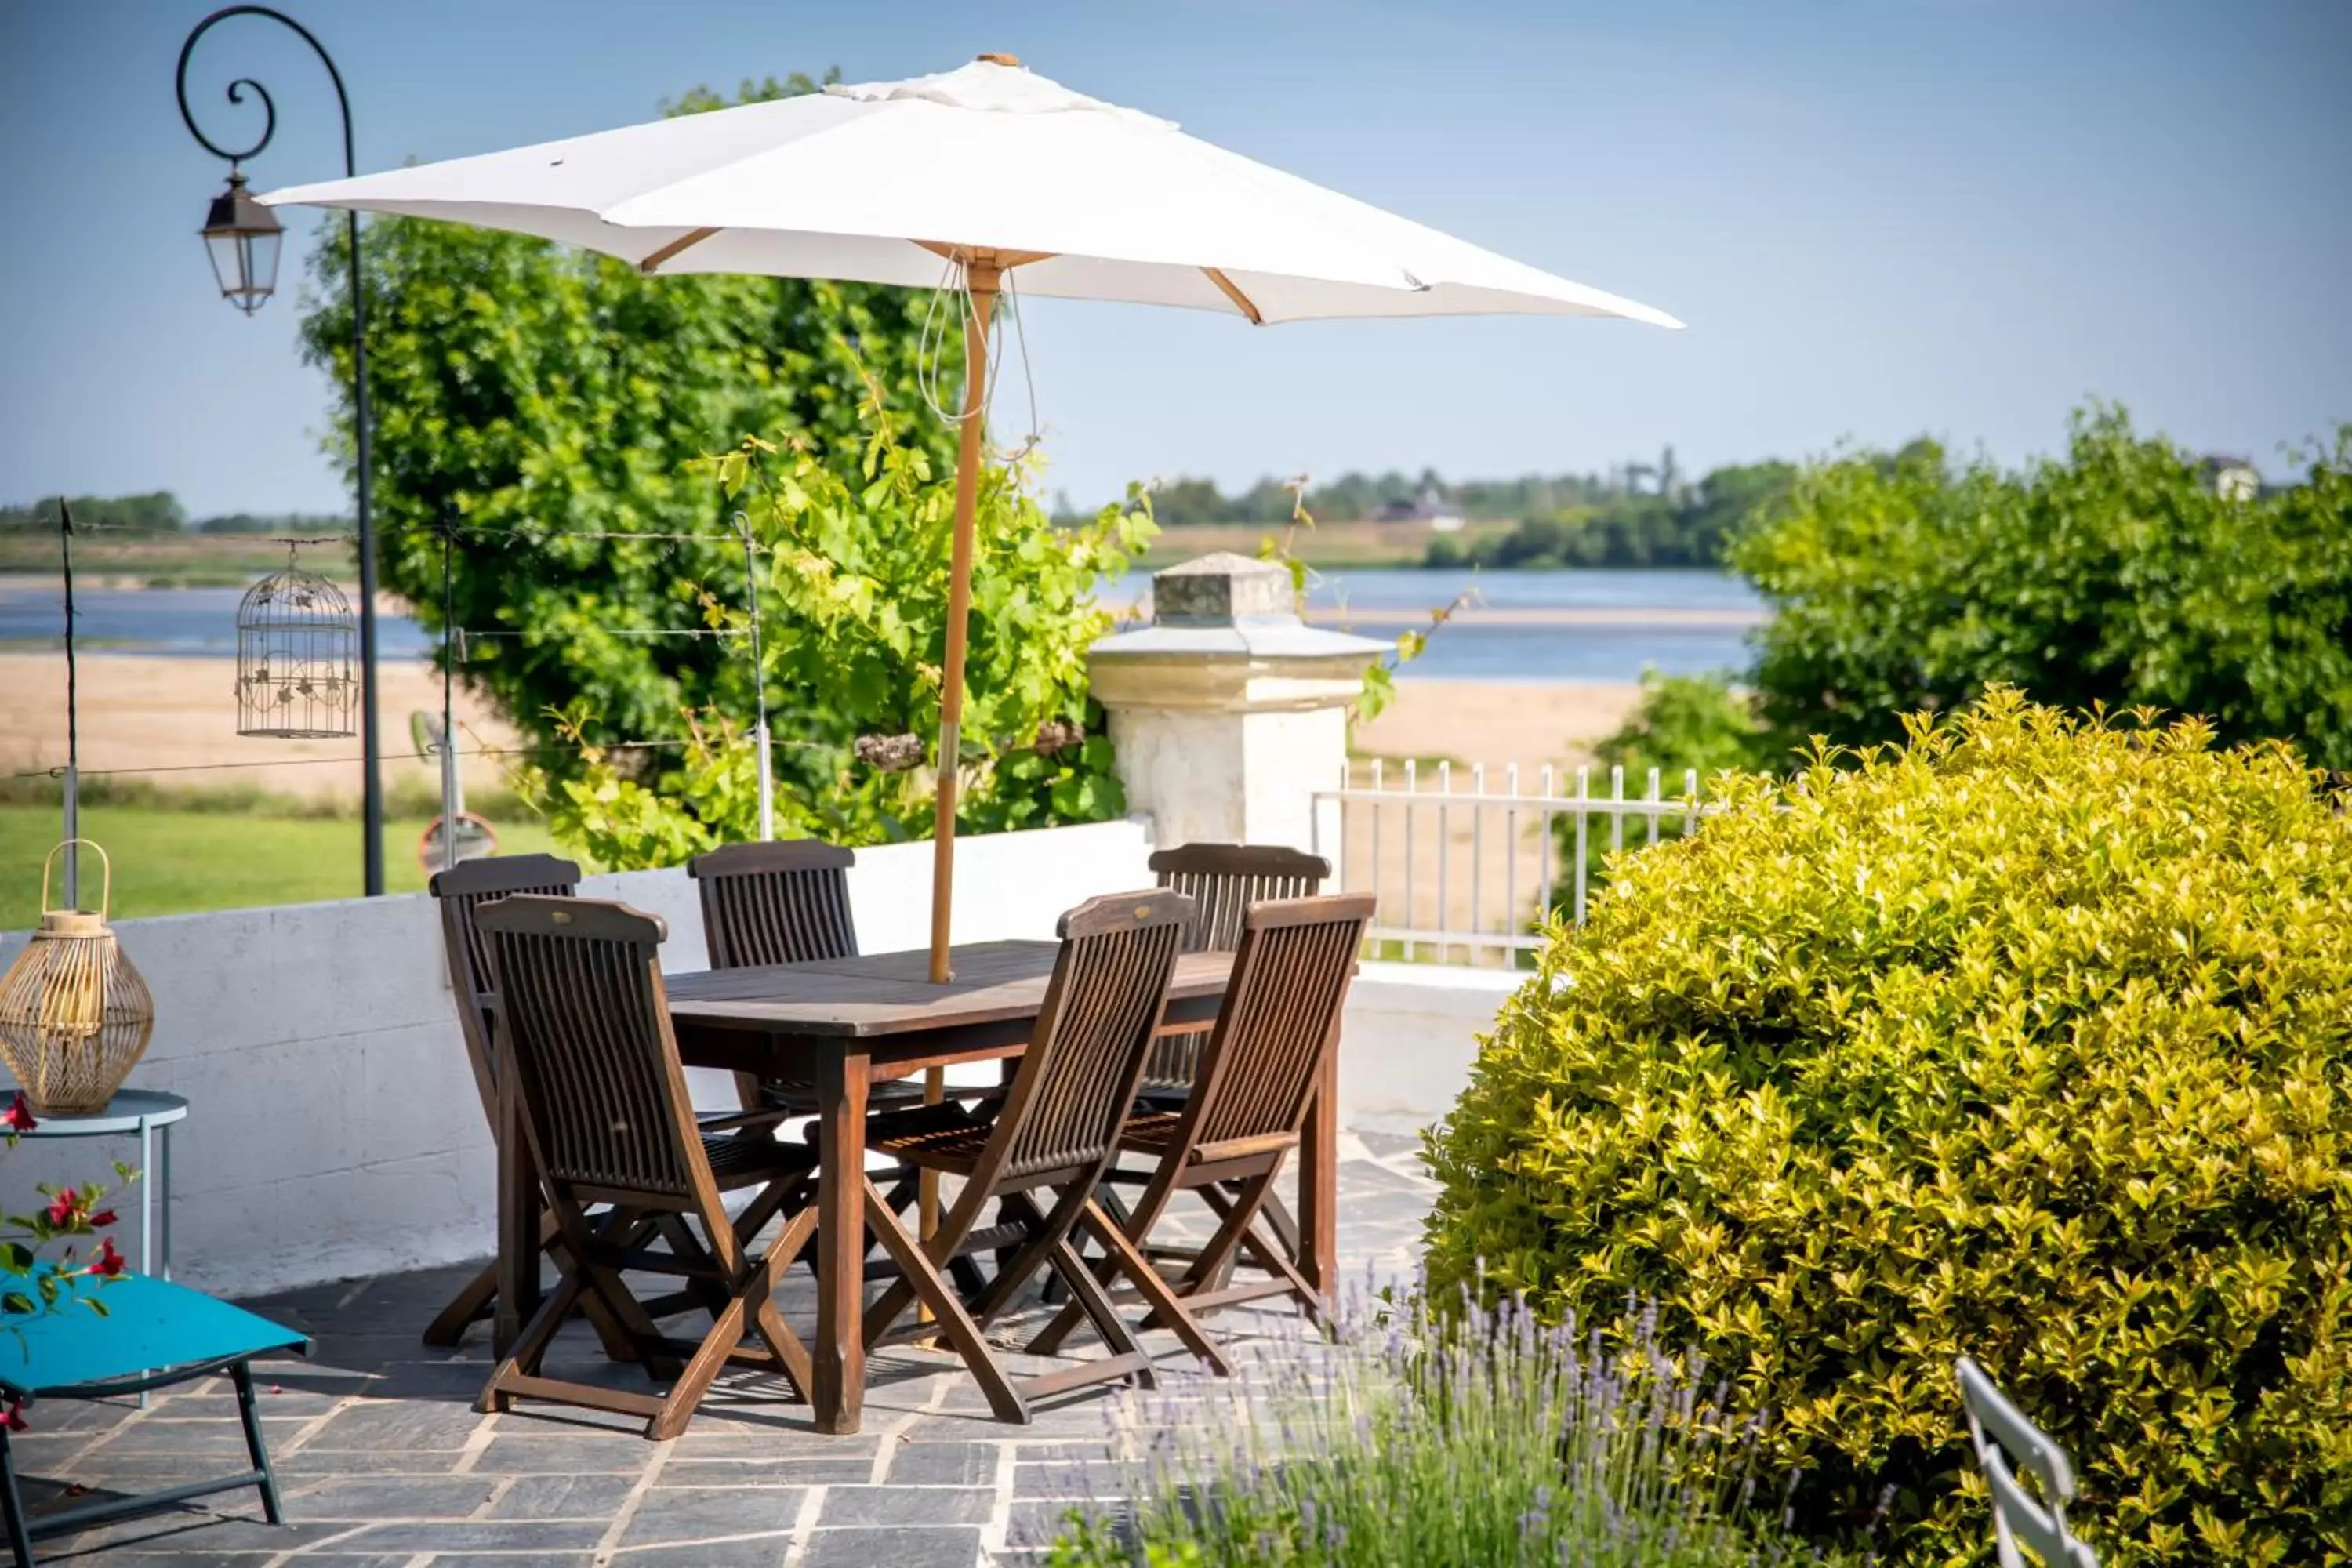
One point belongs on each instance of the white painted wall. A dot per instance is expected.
(1408, 1038)
(335, 1129)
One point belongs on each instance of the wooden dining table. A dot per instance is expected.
(843, 1025)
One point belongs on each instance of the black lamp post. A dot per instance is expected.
(243, 236)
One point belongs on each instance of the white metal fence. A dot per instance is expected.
(1463, 875)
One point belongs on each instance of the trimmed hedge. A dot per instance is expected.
(2032, 1039)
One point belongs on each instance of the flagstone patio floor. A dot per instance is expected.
(382, 1462)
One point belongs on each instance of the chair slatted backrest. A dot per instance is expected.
(775, 903)
(2001, 1434)
(459, 891)
(1281, 1015)
(1223, 882)
(1224, 879)
(1070, 1095)
(584, 1025)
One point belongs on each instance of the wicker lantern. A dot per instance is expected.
(75, 1017)
(295, 676)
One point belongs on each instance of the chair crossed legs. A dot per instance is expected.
(584, 1026)
(1040, 1158)
(1245, 1116)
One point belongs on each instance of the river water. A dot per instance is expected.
(1521, 626)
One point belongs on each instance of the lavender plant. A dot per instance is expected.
(1406, 1437)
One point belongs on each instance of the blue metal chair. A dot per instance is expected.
(155, 1334)
(2002, 1432)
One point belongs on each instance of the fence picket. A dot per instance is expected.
(1418, 918)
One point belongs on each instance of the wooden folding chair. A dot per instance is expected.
(2002, 1432)
(1265, 1054)
(1223, 880)
(1041, 1155)
(785, 902)
(788, 903)
(459, 891)
(582, 1026)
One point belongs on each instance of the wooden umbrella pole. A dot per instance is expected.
(982, 281)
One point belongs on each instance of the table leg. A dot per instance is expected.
(164, 1195)
(146, 1214)
(837, 1355)
(1319, 1183)
(518, 1226)
(146, 1199)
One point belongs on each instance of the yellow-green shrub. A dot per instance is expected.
(2031, 1038)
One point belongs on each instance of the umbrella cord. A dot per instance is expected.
(1012, 307)
(930, 348)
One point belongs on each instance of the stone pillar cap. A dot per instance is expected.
(1225, 605)
(1223, 589)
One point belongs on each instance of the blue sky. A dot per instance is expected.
(1959, 217)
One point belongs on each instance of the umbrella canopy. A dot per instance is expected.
(961, 177)
(1107, 202)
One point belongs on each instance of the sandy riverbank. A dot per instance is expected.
(1498, 722)
(179, 714)
(178, 717)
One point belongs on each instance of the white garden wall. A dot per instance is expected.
(1409, 1035)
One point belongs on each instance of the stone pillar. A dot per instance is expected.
(1228, 711)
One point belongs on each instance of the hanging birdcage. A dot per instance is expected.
(75, 1017)
(295, 672)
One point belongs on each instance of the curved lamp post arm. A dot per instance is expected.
(371, 785)
(237, 89)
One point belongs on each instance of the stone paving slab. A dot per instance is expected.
(382, 1460)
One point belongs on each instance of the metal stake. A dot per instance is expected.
(73, 720)
(453, 787)
(767, 761)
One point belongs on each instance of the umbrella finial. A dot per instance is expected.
(997, 59)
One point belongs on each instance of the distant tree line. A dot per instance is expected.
(1633, 515)
(1683, 525)
(160, 511)
(1354, 497)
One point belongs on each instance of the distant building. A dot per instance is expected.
(2231, 479)
(1430, 507)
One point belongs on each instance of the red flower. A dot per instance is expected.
(101, 1219)
(61, 1209)
(18, 1117)
(108, 1262)
(16, 1416)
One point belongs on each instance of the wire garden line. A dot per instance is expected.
(60, 770)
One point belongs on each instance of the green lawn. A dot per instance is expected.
(175, 862)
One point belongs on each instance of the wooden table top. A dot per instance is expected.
(891, 993)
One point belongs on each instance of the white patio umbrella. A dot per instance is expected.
(965, 176)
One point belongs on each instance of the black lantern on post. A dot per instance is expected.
(242, 238)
